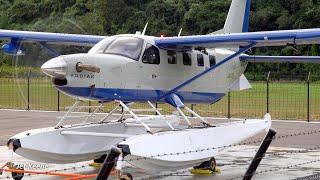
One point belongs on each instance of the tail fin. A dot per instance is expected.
(238, 17)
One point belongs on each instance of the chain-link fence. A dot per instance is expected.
(286, 97)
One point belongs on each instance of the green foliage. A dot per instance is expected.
(108, 17)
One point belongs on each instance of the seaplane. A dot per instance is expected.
(131, 68)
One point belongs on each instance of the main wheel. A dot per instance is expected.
(211, 164)
(16, 175)
(126, 176)
(208, 165)
(101, 159)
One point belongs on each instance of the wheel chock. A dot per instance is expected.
(95, 164)
(217, 170)
(205, 171)
(201, 171)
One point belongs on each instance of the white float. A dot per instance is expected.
(74, 143)
(193, 146)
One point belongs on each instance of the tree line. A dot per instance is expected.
(109, 17)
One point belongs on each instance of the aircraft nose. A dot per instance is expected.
(56, 67)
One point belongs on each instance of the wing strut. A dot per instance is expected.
(175, 101)
(53, 52)
(241, 50)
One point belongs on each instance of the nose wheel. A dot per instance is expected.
(17, 175)
(126, 176)
(11, 165)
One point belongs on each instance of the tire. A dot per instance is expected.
(211, 164)
(16, 175)
(101, 159)
(126, 176)
(207, 165)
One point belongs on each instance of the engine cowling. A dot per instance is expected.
(13, 49)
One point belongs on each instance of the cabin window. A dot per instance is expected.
(212, 60)
(126, 46)
(151, 55)
(187, 59)
(200, 60)
(172, 57)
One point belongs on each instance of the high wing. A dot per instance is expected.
(50, 38)
(264, 38)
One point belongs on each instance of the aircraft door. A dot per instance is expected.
(149, 67)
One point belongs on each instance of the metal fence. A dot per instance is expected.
(287, 97)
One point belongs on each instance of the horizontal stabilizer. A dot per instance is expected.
(281, 59)
(241, 84)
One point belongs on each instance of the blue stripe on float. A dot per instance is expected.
(136, 95)
(245, 26)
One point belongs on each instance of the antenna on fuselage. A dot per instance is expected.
(145, 28)
(180, 32)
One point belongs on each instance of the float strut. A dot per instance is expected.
(108, 164)
(260, 154)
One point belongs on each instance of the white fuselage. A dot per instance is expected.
(141, 79)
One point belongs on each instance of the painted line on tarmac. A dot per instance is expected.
(22, 110)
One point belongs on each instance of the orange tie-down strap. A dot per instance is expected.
(70, 175)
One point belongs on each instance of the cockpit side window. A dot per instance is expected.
(126, 46)
(151, 55)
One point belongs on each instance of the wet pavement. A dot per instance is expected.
(287, 157)
(233, 163)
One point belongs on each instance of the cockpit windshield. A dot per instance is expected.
(130, 47)
(101, 46)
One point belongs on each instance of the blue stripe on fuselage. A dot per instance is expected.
(138, 95)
